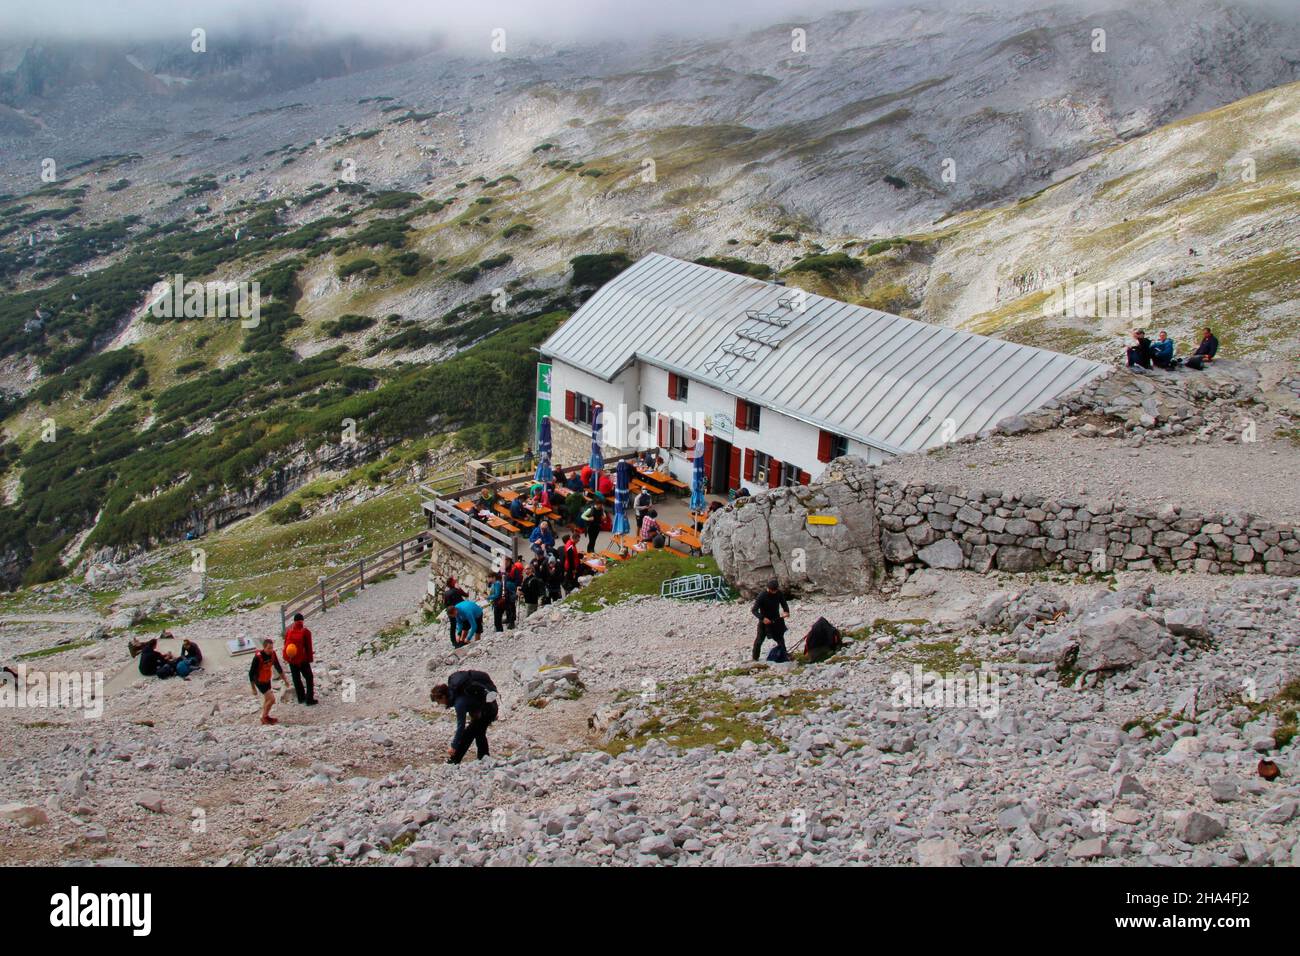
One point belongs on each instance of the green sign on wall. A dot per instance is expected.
(543, 397)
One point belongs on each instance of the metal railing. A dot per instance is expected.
(333, 588)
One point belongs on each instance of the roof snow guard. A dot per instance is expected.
(893, 383)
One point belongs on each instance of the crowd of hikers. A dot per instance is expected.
(1146, 353)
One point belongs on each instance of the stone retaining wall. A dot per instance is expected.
(946, 527)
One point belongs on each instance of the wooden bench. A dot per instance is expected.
(504, 512)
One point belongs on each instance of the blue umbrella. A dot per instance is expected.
(622, 481)
(544, 472)
(597, 462)
(697, 478)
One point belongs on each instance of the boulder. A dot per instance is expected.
(1119, 638)
(1188, 622)
(1197, 827)
(24, 814)
(938, 852)
(1019, 560)
(768, 535)
(547, 677)
(944, 553)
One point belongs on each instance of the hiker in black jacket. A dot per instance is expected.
(473, 695)
(534, 591)
(452, 595)
(771, 609)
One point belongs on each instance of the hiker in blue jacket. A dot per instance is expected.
(469, 621)
(1162, 350)
(542, 539)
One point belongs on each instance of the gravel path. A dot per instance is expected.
(1258, 477)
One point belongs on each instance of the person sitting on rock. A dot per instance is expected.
(474, 696)
(1205, 351)
(1139, 354)
(1162, 350)
(191, 658)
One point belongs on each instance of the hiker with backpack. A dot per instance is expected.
(771, 609)
(264, 664)
(451, 596)
(299, 654)
(572, 561)
(534, 590)
(593, 518)
(467, 618)
(554, 580)
(474, 697)
(504, 598)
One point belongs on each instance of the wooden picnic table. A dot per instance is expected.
(663, 478)
(685, 535)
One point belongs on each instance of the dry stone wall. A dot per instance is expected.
(947, 527)
(882, 524)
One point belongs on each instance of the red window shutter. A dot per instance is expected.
(708, 457)
(733, 474)
(672, 386)
(660, 429)
(773, 473)
(740, 415)
(824, 440)
(804, 478)
(694, 438)
(570, 400)
(749, 464)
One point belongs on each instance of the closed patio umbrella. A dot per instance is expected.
(622, 482)
(697, 478)
(597, 460)
(544, 472)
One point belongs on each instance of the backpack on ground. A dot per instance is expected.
(823, 640)
(778, 655)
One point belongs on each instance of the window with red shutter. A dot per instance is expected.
(749, 464)
(824, 440)
(740, 414)
(569, 401)
(773, 473)
(660, 430)
(672, 386)
(733, 473)
(804, 478)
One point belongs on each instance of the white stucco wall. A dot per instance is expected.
(785, 438)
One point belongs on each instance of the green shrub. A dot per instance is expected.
(827, 265)
(598, 268)
(738, 266)
(368, 266)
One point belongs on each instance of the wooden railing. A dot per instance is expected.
(335, 587)
(469, 536)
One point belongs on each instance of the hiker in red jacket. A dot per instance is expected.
(605, 485)
(586, 475)
(298, 651)
(263, 665)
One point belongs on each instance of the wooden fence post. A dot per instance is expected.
(402, 554)
(361, 566)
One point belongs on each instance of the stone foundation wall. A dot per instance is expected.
(945, 527)
(446, 562)
(876, 525)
